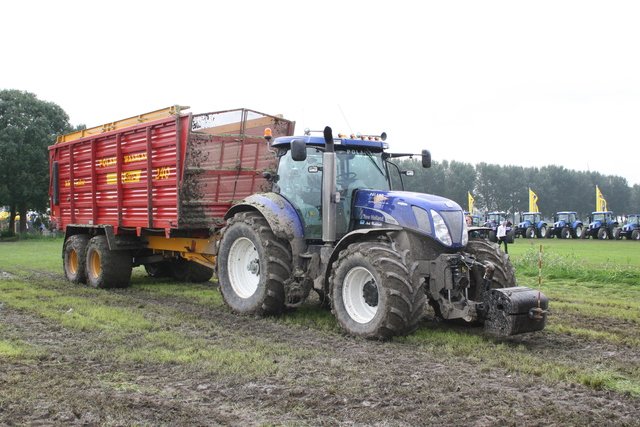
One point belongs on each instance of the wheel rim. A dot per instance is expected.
(360, 295)
(244, 267)
(94, 264)
(72, 262)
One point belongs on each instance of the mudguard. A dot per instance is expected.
(277, 210)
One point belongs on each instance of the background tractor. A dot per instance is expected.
(602, 225)
(532, 225)
(566, 225)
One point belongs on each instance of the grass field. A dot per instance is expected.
(592, 337)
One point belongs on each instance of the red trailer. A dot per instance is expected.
(153, 189)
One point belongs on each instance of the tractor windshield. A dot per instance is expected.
(634, 220)
(360, 168)
(600, 217)
(564, 217)
(530, 217)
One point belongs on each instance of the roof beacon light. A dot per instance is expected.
(267, 134)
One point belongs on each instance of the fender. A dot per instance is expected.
(278, 211)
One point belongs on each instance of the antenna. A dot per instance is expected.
(345, 119)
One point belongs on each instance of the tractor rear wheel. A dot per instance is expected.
(616, 233)
(107, 268)
(577, 232)
(376, 291)
(73, 258)
(253, 265)
(542, 232)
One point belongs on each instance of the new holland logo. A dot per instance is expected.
(379, 198)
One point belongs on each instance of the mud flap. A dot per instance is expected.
(515, 310)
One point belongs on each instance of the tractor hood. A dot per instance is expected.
(435, 216)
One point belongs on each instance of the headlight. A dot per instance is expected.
(441, 229)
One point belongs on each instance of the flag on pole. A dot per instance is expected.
(601, 203)
(471, 200)
(533, 202)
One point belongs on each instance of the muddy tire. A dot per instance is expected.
(74, 255)
(107, 268)
(253, 265)
(158, 270)
(504, 275)
(183, 270)
(376, 291)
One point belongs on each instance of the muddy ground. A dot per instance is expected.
(362, 383)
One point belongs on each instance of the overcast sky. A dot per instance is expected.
(506, 82)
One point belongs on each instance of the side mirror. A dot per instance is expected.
(426, 159)
(298, 150)
(408, 172)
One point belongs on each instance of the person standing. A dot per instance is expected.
(502, 236)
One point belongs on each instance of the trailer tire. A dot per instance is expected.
(565, 233)
(183, 270)
(253, 265)
(74, 255)
(107, 268)
(158, 270)
(635, 235)
(376, 290)
(504, 275)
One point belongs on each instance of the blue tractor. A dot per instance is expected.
(602, 225)
(493, 220)
(565, 226)
(532, 225)
(631, 229)
(333, 224)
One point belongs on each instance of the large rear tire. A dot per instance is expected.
(542, 232)
(74, 256)
(253, 265)
(376, 290)
(577, 233)
(107, 268)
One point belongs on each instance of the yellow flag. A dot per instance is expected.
(533, 201)
(471, 200)
(601, 203)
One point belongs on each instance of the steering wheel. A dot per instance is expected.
(345, 178)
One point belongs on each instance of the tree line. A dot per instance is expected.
(497, 188)
(28, 126)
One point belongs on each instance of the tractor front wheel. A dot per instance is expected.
(635, 235)
(376, 290)
(530, 233)
(602, 234)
